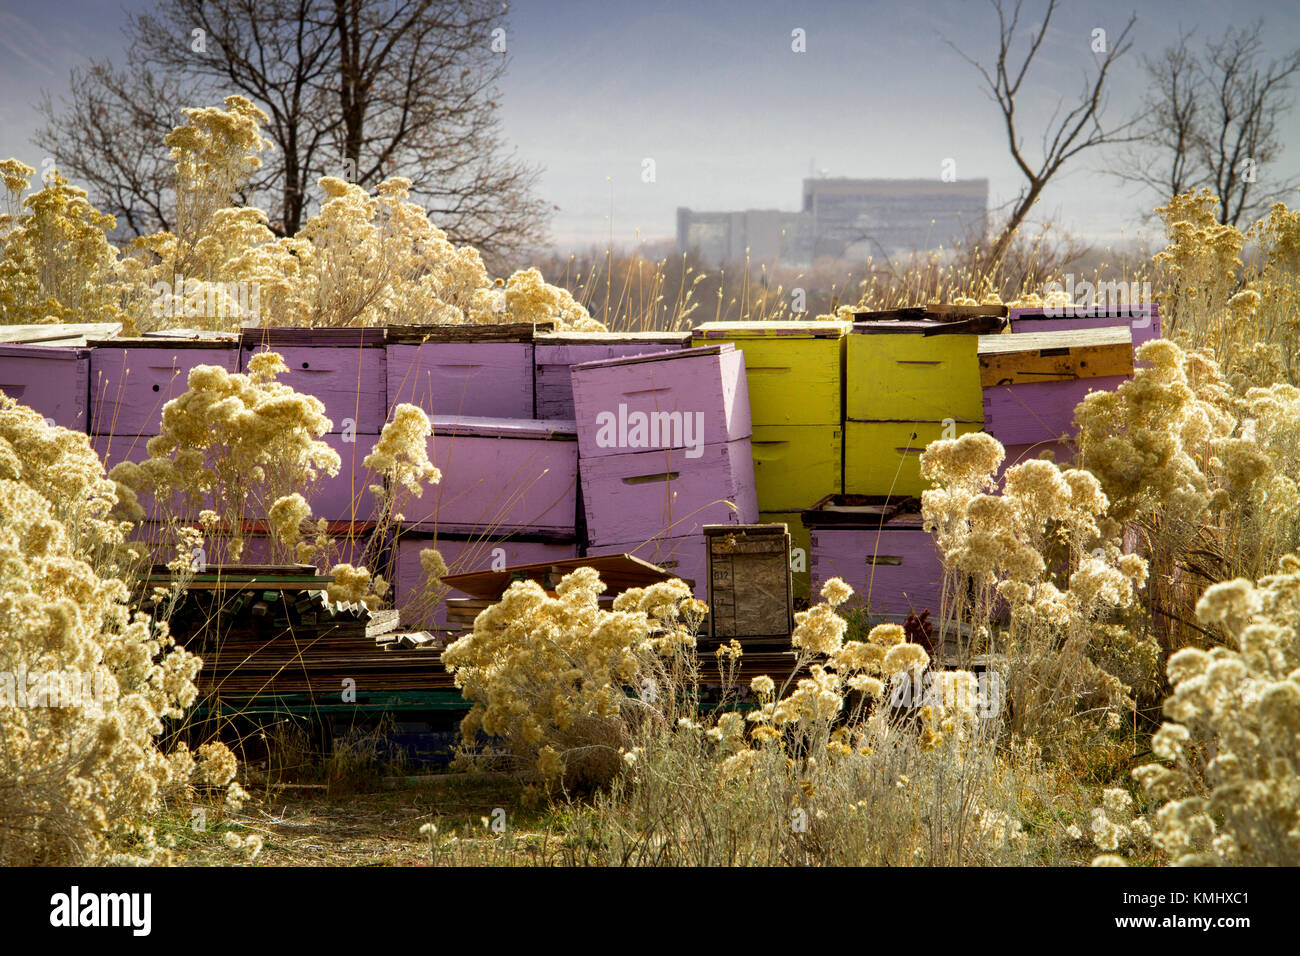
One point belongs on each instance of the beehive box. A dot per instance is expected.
(53, 380)
(344, 368)
(347, 496)
(484, 371)
(642, 495)
(1040, 411)
(749, 581)
(1033, 381)
(132, 379)
(681, 399)
(500, 476)
(884, 458)
(555, 355)
(462, 555)
(891, 564)
(1031, 357)
(800, 581)
(681, 555)
(794, 370)
(911, 371)
(795, 466)
(113, 450)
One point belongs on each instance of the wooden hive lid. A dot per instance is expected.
(290, 335)
(853, 511)
(58, 333)
(1063, 339)
(767, 528)
(618, 572)
(559, 429)
(806, 329)
(613, 338)
(718, 348)
(972, 325)
(468, 333)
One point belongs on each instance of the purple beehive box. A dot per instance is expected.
(129, 384)
(462, 555)
(348, 379)
(115, 449)
(683, 555)
(639, 496)
(482, 379)
(53, 380)
(346, 496)
(681, 399)
(555, 355)
(1062, 454)
(500, 475)
(893, 568)
(1038, 411)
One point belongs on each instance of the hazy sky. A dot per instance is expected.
(731, 116)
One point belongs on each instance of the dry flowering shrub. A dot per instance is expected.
(1207, 475)
(86, 684)
(235, 447)
(1042, 557)
(550, 676)
(56, 263)
(1229, 753)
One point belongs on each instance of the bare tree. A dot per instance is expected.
(1211, 121)
(361, 89)
(1065, 136)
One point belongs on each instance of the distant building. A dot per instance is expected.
(843, 218)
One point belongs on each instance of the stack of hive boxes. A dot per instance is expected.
(795, 372)
(508, 493)
(664, 447)
(908, 383)
(1032, 412)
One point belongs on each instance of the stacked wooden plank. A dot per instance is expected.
(664, 448)
(1032, 381)
(908, 382)
(269, 631)
(795, 374)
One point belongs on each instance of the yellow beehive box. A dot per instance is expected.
(884, 458)
(795, 370)
(800, 579)
(906, 375)
(795, 466)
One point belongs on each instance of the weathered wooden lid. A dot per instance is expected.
(559, 429)
(859, 511)
(810, 329)
(619, 572)
(306, 335)
(972, 325)
(504, 332)
(720, 348)
(613, 338)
